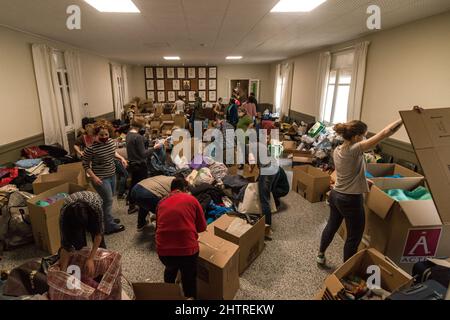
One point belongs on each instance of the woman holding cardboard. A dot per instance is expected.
(347, 197)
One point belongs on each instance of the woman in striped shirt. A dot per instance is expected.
(98, 161)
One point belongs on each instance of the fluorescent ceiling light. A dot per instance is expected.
(234, 58)
(125, 6)
(297, 5)
(171, 58)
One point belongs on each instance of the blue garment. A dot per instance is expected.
(215, 212)
(28, 163)
(395, 176)
(232, 114)
(106, 192)
(145, 200)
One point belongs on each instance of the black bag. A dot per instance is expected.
(429, 290)
(427, 270)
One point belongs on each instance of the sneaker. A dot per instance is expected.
(132, 209)
(121, 196)
(268, 233)
(141, 227)
(320, 259)
(119, 229)
(153, 217)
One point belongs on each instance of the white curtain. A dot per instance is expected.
(322, 82)
(358, 78)
(126, 95)
(49, 96)
(73, 66)
(286, 72)
(117, 88)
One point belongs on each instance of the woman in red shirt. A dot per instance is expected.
(179, 219)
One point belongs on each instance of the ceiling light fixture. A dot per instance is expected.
(171, 58)
(297, 5)
(234, 58)
(116, 6)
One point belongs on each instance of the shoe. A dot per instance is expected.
(132, 209)
(268, 233)
(119, 229)
(152, 217)
(321, 260)
(141, 227)
(121, 196)
(117, 221)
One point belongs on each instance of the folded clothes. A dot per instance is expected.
(51, 200)
(395, 176)
(420, 193)
(28, 163)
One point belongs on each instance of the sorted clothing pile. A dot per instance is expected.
(420, 193)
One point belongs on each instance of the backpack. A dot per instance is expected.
(15, 226)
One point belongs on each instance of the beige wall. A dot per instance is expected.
(225, 73)
(406, 66)
(18, 91)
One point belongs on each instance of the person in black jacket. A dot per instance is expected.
(137, 157)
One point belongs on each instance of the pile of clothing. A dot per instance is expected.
(356, 289)
(420, 193)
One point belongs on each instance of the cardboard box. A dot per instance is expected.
(157, 291)
(78, 168)
(392, 277)
(311, 183)
(218, 268)
(45, 220)
(249, 172)
(251, 243)
(381, 170)
(48, 181)
(166, 117)
(406, 231)
(180, 121)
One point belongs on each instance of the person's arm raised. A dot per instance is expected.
(391, 129)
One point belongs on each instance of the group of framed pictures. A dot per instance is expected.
(165, 84)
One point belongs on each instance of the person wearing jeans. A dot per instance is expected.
(147, 194)
(179, 219)
(98, 161)
(347, 197)
(121, 177)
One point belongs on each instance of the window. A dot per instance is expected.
(64, 89)
(338, 88)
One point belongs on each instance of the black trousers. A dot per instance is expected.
(138, 173)
(351, 209)
(187, 265)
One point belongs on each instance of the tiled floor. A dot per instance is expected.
(285, 270)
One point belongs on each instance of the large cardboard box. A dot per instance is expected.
(45, 220)
(392, 277)
(157, 291)
(311, 183)
(249, 172)
(218, 268)
(406, 231)
(382, 170)
(48, 181)
(251, 242)
(75, 167)
(180, 121)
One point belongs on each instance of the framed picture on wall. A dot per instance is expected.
(191, 96)
(160, 73)
(181, 73)
(150, 85)
(202, 84)
(212, 96)
(191, 73)
(171, 96)
(149, 73)
(213, 84)
(213, 72)
(186, 84)
(202, 95)
(202, 73)
(160, 84)
(181, 94)
(170, 73)
(151, 95)
(161, 96)
(176, 85)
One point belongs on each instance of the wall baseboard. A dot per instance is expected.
(11, 151)
(108, 116)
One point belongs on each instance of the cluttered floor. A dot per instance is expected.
(286, 269)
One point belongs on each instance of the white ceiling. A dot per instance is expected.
(205, 31)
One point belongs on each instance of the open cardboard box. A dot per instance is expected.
(75, 167)
(392, 277)
(251, 243)
(382, 170)
(46, 182)
(157, 291)
(311, 183)
(217, 268)
(406, 231)
(45, 220)
(249, 172)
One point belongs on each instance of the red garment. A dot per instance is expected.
(268, 125)
(179, 219)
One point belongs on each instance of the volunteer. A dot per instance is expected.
(178, 106)
(84, 140)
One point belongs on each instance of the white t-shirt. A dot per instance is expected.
(179, 106)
